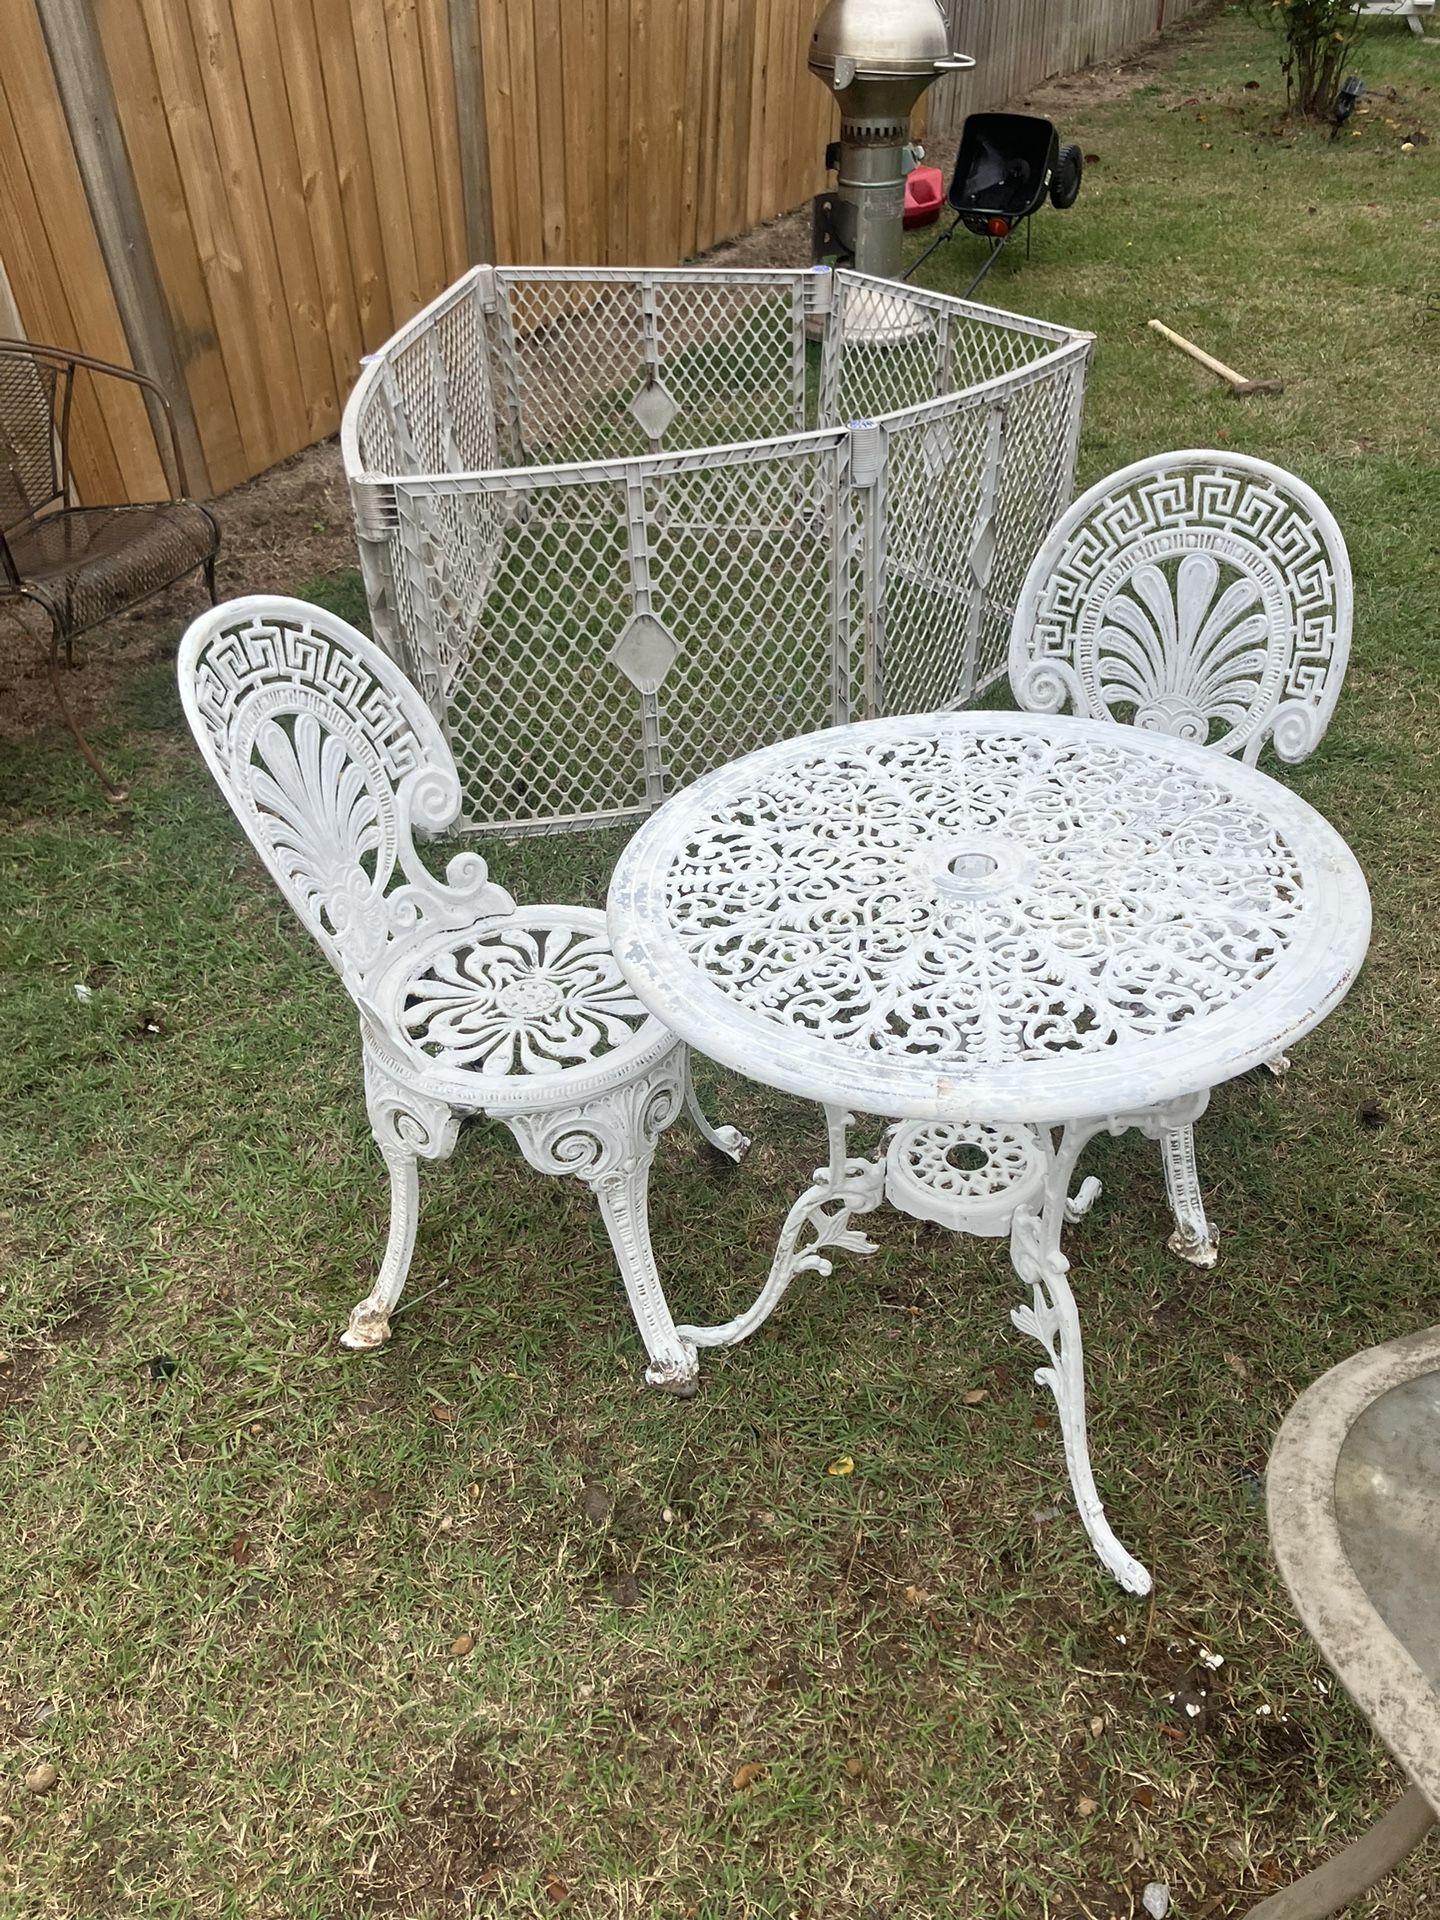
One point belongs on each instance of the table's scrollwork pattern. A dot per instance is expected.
(1115, 896)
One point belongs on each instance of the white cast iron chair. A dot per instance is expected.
(332, 763)
(1202, 595)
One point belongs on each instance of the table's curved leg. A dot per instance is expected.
(1053, 1320)
(843, 1188)
(1193, 1238)
(1344, 1877)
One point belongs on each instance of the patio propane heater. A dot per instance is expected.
(877, 57)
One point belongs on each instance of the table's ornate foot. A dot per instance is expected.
(609, 1143)
(1053, 1320)
(1279, 1064)
(1193, 1238)
(1082, 1200)
(727, 1140)
(845, 1187)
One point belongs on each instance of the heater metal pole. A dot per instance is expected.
(877, 57)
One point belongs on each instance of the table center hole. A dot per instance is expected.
(973, 866)
(966, 1157)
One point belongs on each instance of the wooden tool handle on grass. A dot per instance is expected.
(1199, 353)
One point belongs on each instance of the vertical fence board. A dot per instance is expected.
(382, 128)
(61, 272)
(415, 133)
(319, 179)
(495, 42)
(279, 167)
(144, 123)
(433, 20)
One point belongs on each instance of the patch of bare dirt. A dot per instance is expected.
(460, 1831)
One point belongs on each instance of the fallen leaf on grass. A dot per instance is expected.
(1097, 1725)
(916, 1596)
(1085, 1808)
(240, 1550)
(747, 1774)
(854, 1768)
(975, 1396)
(442, 1413)
(462, 1643)
(841, 1466)
(1144, 1796)
(556, 1892)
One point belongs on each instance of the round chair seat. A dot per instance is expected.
(498, 1015)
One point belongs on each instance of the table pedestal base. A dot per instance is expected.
(990, 1181)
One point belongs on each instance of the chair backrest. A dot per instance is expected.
(1203, 595)
(32, 391)
(331, 762)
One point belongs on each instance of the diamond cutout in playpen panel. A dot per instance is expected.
(462, 369)
(1034, 490)
(733, 359)
(936, 524)
(542, 723)
(889, 354)
(578, 362)
(740, 574)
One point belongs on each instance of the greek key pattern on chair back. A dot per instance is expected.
(1202, 595)
(331, 761)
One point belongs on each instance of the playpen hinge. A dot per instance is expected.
(820, 292)
(376, 509)
(867, 452)
(485, 290)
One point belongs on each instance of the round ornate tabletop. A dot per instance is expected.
(989, 916)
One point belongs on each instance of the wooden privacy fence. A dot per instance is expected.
(241, 197)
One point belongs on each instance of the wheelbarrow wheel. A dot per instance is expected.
(1065, 181)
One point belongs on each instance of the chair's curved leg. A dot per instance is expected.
(370, 1321)
(1343, 1878)
(210, 587)
(623, 1197)
(407, 1128)
(727, 1140)
(1193, 1238)
(114, 792)
(608, 1142)
(1279, 1065)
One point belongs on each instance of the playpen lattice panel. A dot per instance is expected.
(816, 494)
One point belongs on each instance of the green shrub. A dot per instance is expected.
(1318, 36)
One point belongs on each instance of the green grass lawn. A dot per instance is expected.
(238, 1561)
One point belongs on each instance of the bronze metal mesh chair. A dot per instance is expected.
(83, 565)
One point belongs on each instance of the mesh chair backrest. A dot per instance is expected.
(30, 475)
(331, 761)
(1203, 595)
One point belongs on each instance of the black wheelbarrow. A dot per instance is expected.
(1008, 165)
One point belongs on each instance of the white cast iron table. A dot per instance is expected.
(1008, 932)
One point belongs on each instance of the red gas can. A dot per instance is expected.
(924, 192)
